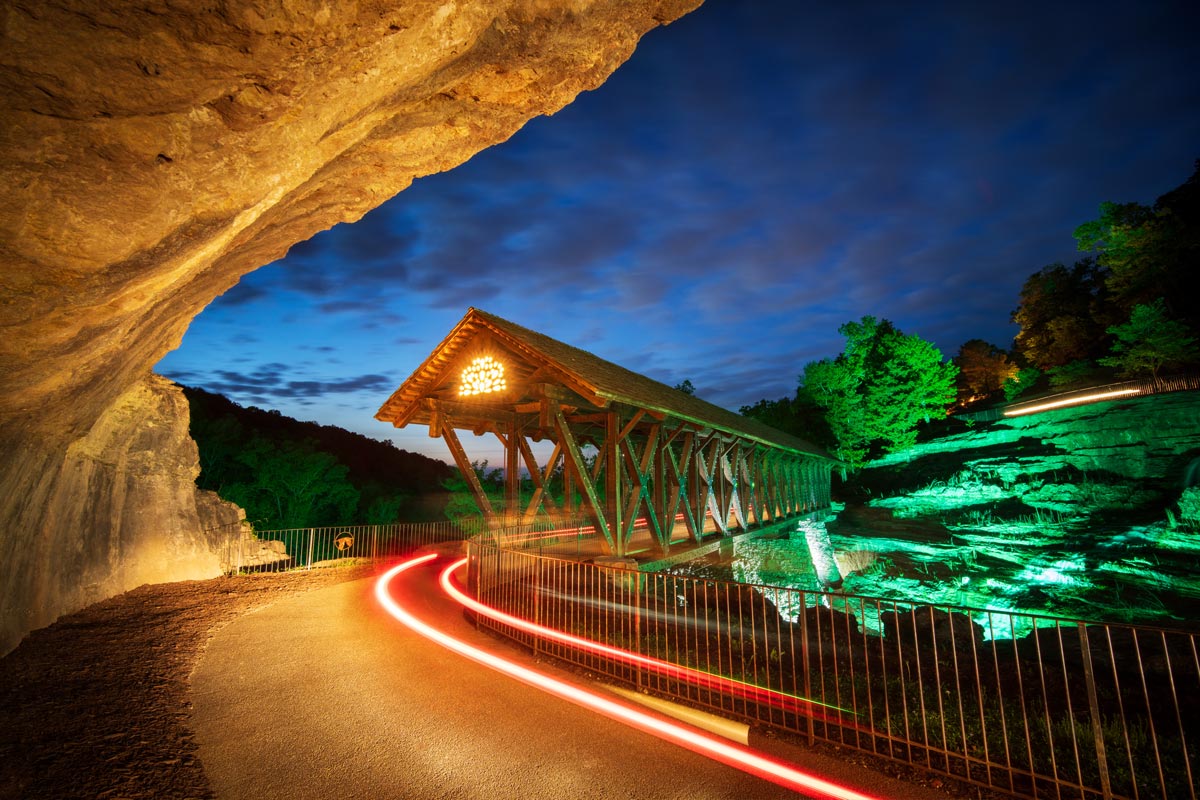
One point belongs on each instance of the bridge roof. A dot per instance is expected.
(537, 368)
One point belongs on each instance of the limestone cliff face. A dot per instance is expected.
(153, 153)
(117, 509)
(1151, 438)
(1118, 455)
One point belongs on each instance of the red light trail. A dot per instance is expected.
(704, 680)
(727, 753)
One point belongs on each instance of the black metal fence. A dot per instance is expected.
(1028, 705)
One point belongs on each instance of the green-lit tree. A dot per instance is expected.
(1074, 374)
(1150, 252)
(880, 388)
(461, 506)
(1149, 341)
(291, 485)
(1021, 383)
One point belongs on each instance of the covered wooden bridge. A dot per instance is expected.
(684, 467)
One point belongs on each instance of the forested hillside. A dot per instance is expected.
(292, 474)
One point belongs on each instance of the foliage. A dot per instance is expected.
(1150, 252)
(1150, 341)
(1189, 508)
(462, 509)
(1072, 374)
(461, 506)
(1022, 382)
(799, 416)
(982, 369)
(287, 473)
(291, 485)
(879, 388)
(686, 387)
(1137, 254)
(1058, 314)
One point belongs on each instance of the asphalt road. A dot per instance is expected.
(327, 696)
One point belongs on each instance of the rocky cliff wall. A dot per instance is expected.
(115, 509)
(1141, 448)
(152, 154)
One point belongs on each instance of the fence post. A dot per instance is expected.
(312, 535)
(537, 601)
(804, 664)
(637, 624)
(1094, 709)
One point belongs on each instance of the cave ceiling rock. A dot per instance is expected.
(153, 153)
(156, 154)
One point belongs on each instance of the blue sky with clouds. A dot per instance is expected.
(756, 175)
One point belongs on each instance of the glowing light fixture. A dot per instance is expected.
(482, 376)
(1072, 401)
(733, 755)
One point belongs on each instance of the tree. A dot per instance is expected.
(386, 477)
(292, 485)
(1020, 383)
(982, 369)
(686, 387)
(798, 415)
(1150, 252)
(1062, 314)
(879, 388)
(1076, 373)
(461, 507)
(1150, 341)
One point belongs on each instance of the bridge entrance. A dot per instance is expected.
(627, 447)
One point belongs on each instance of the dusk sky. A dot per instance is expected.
(757, 174)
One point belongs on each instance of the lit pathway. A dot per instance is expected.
(326, 696)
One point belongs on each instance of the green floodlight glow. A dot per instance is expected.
(1072, 401)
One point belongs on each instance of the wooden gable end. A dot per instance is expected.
(533, 384)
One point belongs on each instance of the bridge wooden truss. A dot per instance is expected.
(626, 448)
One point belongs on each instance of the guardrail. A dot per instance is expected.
(244, 551)
(1024, 704)
(1091, 394)
(303, 548)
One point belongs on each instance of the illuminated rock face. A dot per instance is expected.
(152, 156)
(119, 509)
(1081, 512)
(1145, 440)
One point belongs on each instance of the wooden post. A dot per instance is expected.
(574, 463)
(611, 453)
(468, 472)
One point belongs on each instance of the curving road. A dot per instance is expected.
(327, 696)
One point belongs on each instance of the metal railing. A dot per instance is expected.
(1110, 391)
(303, 548)
(243, 550)
(1029, 705)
